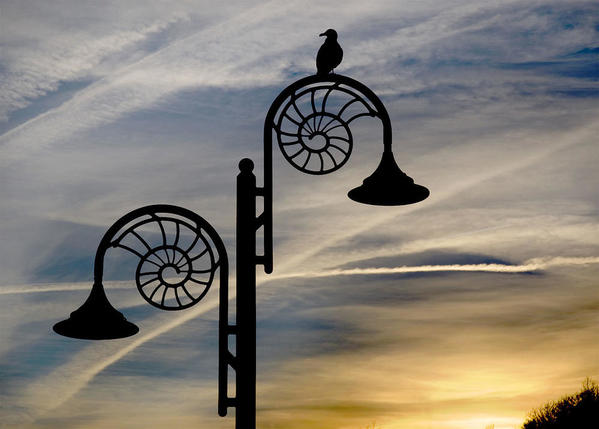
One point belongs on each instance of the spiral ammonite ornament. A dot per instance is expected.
(313, 126)
(177, 258)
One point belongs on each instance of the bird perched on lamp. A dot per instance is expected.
(330, 53)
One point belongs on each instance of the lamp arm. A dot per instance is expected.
(269, 123)
(112, 238)
(108, 241)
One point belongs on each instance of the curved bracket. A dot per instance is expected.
(318, 90)
(179, 253)
(181, 244)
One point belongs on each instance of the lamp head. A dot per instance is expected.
(96, 319)
(388, 186)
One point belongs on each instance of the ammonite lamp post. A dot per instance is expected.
(180, 254)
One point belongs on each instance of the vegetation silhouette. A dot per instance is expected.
(578, 411)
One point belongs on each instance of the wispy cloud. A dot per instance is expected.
(33, 70)
(445, 189)
(210, 58)
(172, 95)
(58, 287)
(535, 264)
(531, 265)
(201, 59)
(64, 382)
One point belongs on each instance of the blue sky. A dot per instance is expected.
(463, 311)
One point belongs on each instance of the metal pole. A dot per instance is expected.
(245, 417)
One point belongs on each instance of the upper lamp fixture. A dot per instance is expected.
(179, 255)
(388, 185)
(312, 121)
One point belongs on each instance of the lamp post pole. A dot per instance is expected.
(311, 120)
(245, 417)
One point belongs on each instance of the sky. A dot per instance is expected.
(464, 311)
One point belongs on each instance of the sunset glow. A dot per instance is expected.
(464, 311)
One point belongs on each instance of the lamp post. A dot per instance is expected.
(180, 254)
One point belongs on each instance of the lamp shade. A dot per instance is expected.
(388, 186)
(96, 319)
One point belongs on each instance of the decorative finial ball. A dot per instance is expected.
(246, 165)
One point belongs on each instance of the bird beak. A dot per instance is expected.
(321, 34)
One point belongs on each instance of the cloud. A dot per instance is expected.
(369, 351)
(89, 141)
(58, 287)
(461, 346)
(35, 70)
(417, 228)
(179, 65)
(156, 102)
(65, 381)
(206, 58)
(536, 264)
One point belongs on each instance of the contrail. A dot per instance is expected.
(535, 264)
(59, 287)
(44, 391)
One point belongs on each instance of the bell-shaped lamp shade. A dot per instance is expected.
(388, 186)
(96, 319)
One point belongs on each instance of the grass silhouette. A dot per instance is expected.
(578, 411)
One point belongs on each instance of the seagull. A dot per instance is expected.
(330, 53)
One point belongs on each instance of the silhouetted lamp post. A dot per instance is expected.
(180, 254)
